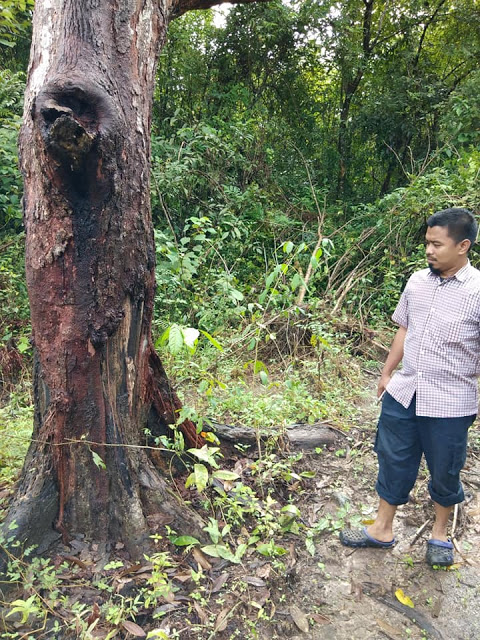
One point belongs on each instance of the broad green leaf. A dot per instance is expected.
(220, 551)
(163, 337)
(185, 541)
(206, 454)
(175, 339)
(199, 477)
(271, 550)
(270, 278)
(226, 554)
(259, 366)
(309, 543)
(98, 460)
(223, 474)
(296, 281)
(292, 510)
(209, 337)
(211, 550)
(240, 552)
(236, 295)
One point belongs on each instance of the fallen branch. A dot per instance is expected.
(419, 531)
(455, 518)
(414, 615)
(300, 436)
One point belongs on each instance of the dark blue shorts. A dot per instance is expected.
(402, 438)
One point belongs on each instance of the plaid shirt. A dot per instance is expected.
(441, 359)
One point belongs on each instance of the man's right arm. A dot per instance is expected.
(393, 360)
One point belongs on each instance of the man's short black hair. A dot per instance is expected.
(460, 223)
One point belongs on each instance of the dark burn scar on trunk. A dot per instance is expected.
(117, 453)
(77, 126)
(91, 107)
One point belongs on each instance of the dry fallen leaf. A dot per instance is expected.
(320, 619)
(79, 563)
(134, 629)
(264, 572)
(292, 556)
(299, 618)
(219, 582)
(94, 615)
(254, 581)
(134, 568)
(221, 621)
(201, 559)
(201, 613)
(183, 577)
(401, 597)
(388, 630)
(166, 608)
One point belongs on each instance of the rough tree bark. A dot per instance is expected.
(98, 383)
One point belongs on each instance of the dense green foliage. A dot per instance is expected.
(354, 120)
(297, 150)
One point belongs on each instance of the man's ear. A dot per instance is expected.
(464, 246)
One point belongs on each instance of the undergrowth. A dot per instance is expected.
(248, 501)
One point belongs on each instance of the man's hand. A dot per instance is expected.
(393, 359)
(382, 383)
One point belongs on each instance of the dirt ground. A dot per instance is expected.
(350, 594)
(336, 594)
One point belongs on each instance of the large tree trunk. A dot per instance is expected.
(85, 156)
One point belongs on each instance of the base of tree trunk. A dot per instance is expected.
(116, 502)
(33, 515)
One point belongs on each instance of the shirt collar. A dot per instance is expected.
(461, 274)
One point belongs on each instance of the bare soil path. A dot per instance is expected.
(350, 594)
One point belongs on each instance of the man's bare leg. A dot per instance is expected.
(442, 516)
(382, 528)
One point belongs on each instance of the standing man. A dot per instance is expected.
(430, 403)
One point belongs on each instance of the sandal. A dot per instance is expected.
(439, 553)
(360, 538)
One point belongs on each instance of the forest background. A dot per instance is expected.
(298, 148)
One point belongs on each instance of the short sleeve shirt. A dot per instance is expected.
(441, 359)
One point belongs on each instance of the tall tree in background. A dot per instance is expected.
(85, 156)
(394, 64)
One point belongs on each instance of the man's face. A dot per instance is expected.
(443, 253)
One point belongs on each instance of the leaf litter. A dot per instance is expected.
(337, 593)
